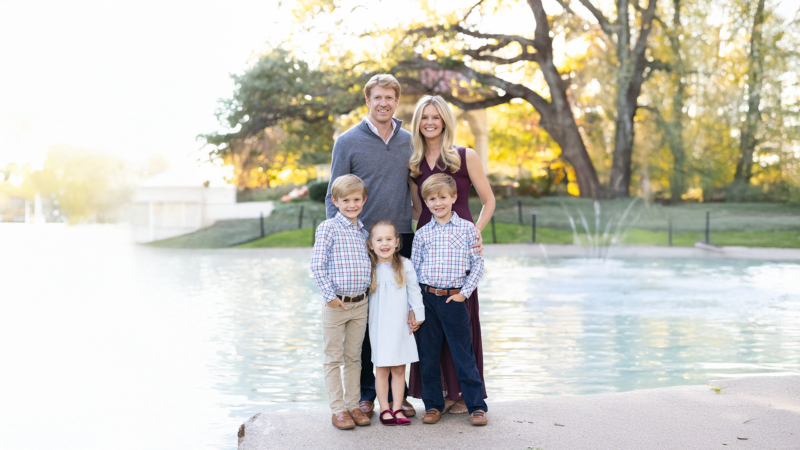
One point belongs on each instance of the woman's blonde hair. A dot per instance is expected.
(449, 157)
(397, 259)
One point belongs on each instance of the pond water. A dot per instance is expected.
(110, 345)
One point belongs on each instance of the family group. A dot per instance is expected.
(392, 296)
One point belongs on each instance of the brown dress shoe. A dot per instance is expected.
(366, 407)
(343, 421)
(360, 418)
(478, 418)
(432, 416)
(408, 409)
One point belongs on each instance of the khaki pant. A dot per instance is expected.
(342, 337)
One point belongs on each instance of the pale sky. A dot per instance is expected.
(133, 77)
(129, 77)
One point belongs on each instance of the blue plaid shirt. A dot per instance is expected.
(339, 261)
(443, 255)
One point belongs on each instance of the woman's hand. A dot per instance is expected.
(479, 244)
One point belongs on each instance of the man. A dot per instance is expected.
(377, 150)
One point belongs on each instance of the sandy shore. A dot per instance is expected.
(754, 413)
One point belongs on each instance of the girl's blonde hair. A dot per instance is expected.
(449, 157)
(397, 260)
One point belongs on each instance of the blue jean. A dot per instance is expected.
(451, 321)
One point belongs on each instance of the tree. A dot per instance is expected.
(282, 112)
(744, 165)
(555, 113)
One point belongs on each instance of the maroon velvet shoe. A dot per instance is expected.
(389, 422)
(400, 420)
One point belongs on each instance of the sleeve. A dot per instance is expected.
(320, 258)
(340, 165)
(475, 263)
(413, 292)
(418, 251)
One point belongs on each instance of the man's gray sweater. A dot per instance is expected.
(384, 169)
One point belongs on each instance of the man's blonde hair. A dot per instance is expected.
(347, 184)
(438, 183)
(384, 81)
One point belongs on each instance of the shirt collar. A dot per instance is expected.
(375, 129)
(452, 220)
(346, 222)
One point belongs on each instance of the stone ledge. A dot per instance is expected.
(754, 412)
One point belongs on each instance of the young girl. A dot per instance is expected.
(395, 312)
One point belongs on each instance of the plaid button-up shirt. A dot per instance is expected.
(339, 261)
(443, 255)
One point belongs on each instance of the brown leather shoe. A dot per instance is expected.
(478, 418)
(432, 416)
(366, 407)
(408, 409)
(360, 418)
(343, 421)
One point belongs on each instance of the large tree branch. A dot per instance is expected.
(512, 90)
(435, 30)
(605, 25)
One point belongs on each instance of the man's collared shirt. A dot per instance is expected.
(443, 255)
(339, 261)
(375, 129)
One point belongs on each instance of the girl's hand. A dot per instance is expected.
(412, 322)
(416, 326)
(456, 298)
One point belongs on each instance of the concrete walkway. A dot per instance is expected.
(748, 413)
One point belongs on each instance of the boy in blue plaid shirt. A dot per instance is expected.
(341, 267)
(448, 268)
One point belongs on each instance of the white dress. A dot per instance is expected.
(392, 345)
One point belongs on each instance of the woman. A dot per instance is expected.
(433, 130)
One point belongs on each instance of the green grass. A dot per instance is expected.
(294, 238)
(228, 233)
(732, 224)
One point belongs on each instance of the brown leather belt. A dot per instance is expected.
(442, 292)
(352, 298)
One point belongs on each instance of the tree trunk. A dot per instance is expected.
(747, 145)
(630, 77)
(563, 129)
(674, 128)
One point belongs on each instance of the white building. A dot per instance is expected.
(181, 201)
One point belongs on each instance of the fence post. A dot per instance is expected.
(708, 227)
(300, 219)
(262, 224)
(533, 227)
(313, 230)
(494, 235)
(519, 209)
(670, 231)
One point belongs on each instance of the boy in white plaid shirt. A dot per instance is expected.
(448, 268)
(341, 268)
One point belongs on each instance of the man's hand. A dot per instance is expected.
(336, 303)
(479, 244)
(456, 298)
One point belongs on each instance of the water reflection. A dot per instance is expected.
(175, 348)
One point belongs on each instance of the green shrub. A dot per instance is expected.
(317, 191)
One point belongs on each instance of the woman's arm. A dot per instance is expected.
(481, 183)
(416, 203)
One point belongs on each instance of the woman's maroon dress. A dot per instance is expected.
(450, 384)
